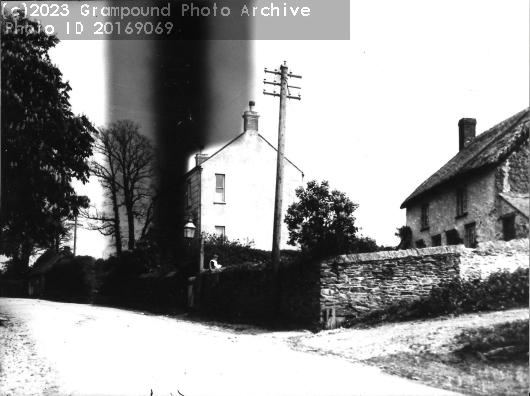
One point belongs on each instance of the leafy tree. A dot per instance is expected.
(405, 234)
(126, 175)
(44, 145)
(365, 244)
(322, 221)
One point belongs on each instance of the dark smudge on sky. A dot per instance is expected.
(184, 94)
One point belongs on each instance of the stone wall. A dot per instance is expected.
(349, 285)
(355, 284)
(492, 256)
(518, 170)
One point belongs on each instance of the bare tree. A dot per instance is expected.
(107, 223)
(126, 174)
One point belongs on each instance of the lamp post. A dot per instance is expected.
(189, 233)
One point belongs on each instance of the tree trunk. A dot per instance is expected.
(130, 220)
(117, 230)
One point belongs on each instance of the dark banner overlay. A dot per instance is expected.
(182, 20)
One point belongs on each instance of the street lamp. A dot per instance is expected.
(189, 229)
(189, 233)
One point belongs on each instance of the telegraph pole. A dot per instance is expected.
(283, 95)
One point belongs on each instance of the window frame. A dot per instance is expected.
(223, 189)
(461, 202)
(188, 194)
(453, 234)
(438, 239)
(420, 244)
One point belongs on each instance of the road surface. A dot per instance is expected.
(53, 348)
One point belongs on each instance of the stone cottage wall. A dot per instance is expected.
(442, 211)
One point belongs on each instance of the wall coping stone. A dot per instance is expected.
(513, 245)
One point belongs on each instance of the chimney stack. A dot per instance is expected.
(250, 118)
(466, 132)
(200, 158)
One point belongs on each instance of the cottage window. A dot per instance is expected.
(508, 227)
(461, 202)
(436, 240)
(425, 216)
(220, 231)
(219, 188)
(188, 193)
(420, 244)
(452, 237)
(470, 240)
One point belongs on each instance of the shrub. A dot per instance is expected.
(13, 282)
(70, 279)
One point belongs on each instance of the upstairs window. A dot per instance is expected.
(470, 240)
(219, 188)
(461, 202)
(425, 215)
(188, 193)
(508, 227)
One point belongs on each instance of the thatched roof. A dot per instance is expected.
(487, 149)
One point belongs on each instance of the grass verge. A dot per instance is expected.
(485, 361)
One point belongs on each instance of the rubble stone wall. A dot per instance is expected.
(346, 286)
(355, 284)
(493, 256)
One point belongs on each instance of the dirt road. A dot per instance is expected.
(68, 349)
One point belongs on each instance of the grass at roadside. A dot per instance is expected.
(486, 361)
(503, 342)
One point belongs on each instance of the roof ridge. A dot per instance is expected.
(233, 140)
(511, 125)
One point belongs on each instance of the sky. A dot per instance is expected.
(378, 114)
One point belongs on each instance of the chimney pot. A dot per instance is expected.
(250, 118)
(466, 132)
(200, 158)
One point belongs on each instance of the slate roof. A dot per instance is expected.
(487, 149)
(518, 201)
(232, 141)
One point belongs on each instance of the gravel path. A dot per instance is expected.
(422, 351)
(423, 336)
(21, 367)
(86, 350)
